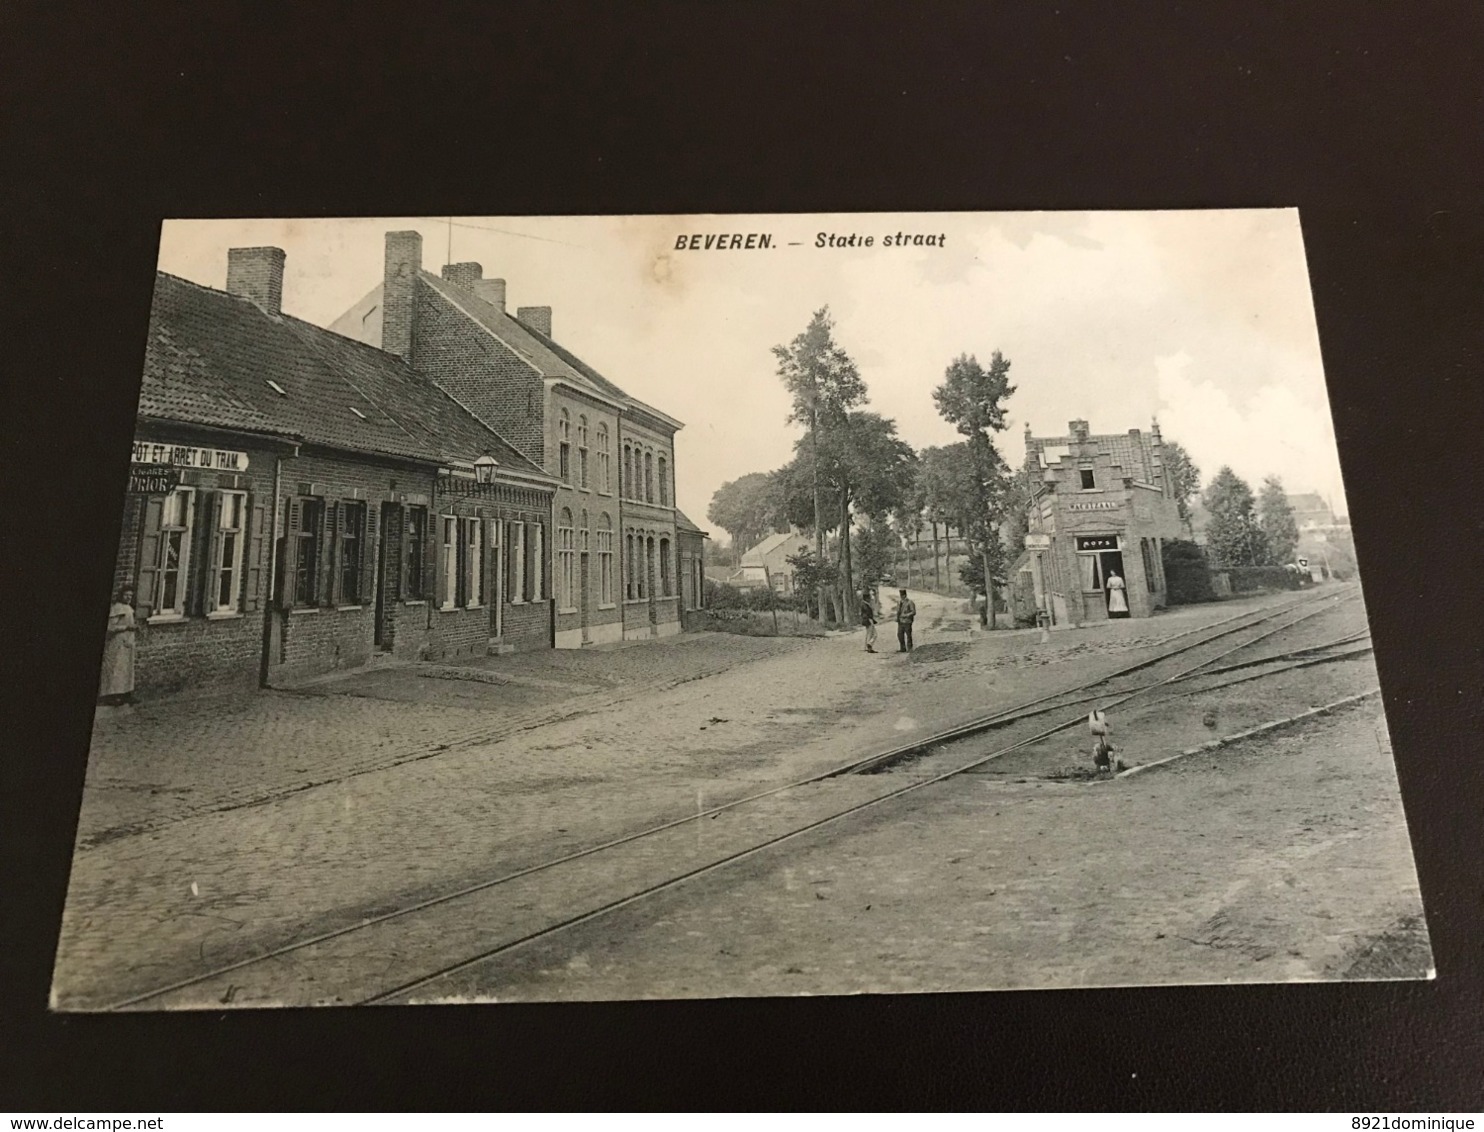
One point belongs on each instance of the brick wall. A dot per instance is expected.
(492, 381)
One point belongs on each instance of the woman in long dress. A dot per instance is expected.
(117, 685)
(1117, 597)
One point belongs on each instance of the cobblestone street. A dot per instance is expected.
(212, 829)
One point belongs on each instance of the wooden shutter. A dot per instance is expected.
(149, 554)
(368, 552)
(397, 566)
(289, 559)
(252, 554)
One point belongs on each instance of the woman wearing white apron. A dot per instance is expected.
(117, 684)
(1117, 597)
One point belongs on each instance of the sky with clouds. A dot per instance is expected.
(1202, 319)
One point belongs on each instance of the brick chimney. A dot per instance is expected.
(404, 259)
(538, 318)
(257, 274)
(491, 291)
(466, 275)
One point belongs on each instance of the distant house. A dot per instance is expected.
(1311, 512)
(690, 542)
(768, 561)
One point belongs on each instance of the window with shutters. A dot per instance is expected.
(605, 559)
(415, 542)
(473, 557)
(172, 570)
(352, 551)
(449, 526)
(664, 490)
(224, 594)
(605, 484)
(305, 524)
(665, 583)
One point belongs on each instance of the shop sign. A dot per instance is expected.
(1038, 542)
(153, 480)
(186, 456)
(1097, 542)
(1105, 505)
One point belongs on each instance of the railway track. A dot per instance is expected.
(448, 938)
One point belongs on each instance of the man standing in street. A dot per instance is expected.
(868, 619)
(906, 612)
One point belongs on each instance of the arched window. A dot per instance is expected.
(564, 447)
(664, 490)
(604, 471)
(649, 565)
(666, 586)
(649, 477)
(565, 588)
(605, 559)
(628, 567)
(582, 452)
(626, 484)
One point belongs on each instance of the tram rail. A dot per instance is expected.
(1061, 700)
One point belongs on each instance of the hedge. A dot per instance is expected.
(1187, 573)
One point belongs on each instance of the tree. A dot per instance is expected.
(746, 508)
(972, 399)
(1185, 479)
(824, 384)
(812, 575)
(1233, 536)
(1275, 517)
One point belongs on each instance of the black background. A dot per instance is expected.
(1369, 118)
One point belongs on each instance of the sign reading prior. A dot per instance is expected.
(1038, 542)
(153, 481)
(1105, 505)
(1097, 542)
(184, 456)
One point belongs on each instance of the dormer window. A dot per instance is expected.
(1087, 480)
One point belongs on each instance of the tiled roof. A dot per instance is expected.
(212, 355)
(683, 523)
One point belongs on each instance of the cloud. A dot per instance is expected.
(1275, 433)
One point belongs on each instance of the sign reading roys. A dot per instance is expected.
(184, 456)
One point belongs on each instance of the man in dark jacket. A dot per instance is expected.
(868, 619)
(906, 613)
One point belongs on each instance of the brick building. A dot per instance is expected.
(616, 559)
(299, 501)
(1100, 505)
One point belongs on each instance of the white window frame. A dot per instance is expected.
(538, 579)
(582, 468)
(605, 481)
(605, 565)
(517, 550)
(473, 563)
(223, 566)
(449, 524)
(177, 610)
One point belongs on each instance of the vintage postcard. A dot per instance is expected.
(576, 608)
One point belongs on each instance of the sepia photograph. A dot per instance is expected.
(520, 609)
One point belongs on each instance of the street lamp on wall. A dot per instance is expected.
(484, 469)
